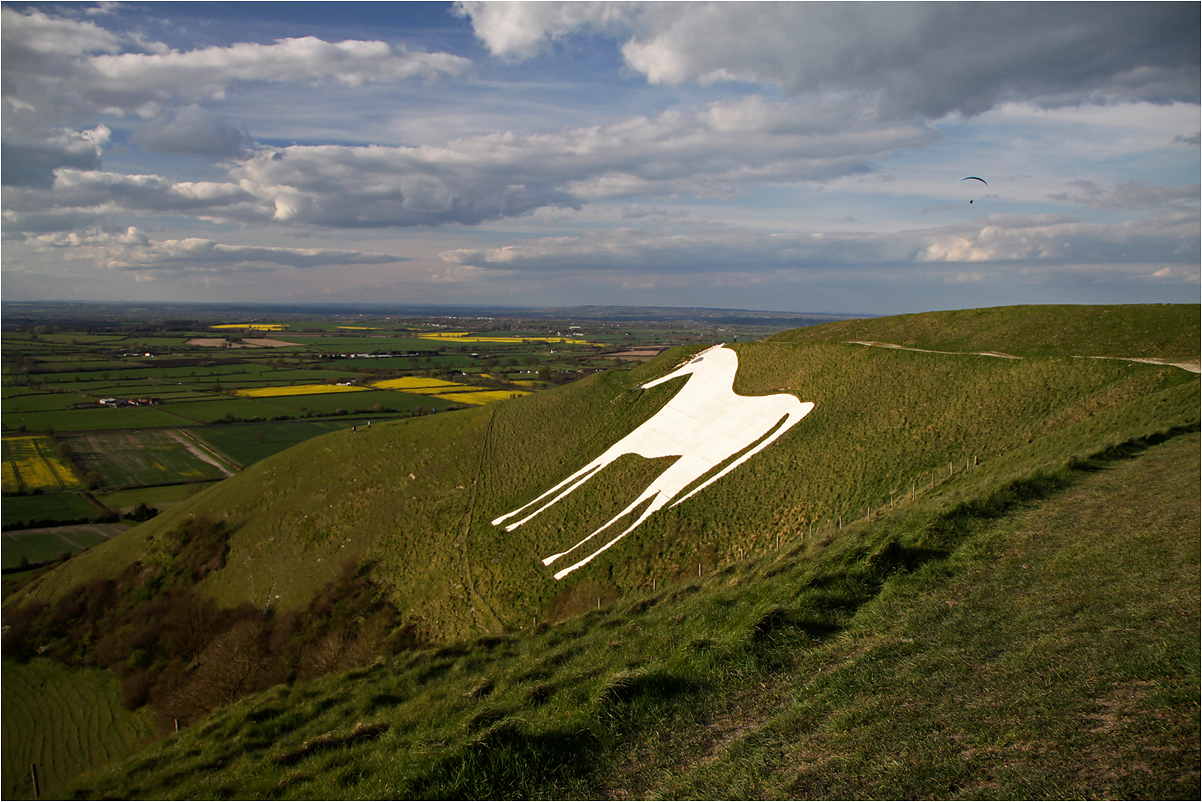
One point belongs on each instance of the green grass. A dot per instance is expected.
(37, 545)
(1043, 646)
(152, 496)
(1169, 331)
(51, 507)
(42, 402)
(363, 400)
(723, 618)
(887, 425)
(249, 444)
(67, 721)
(93, 419)
(220, 406)
(132, 459)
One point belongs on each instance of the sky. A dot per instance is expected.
(803, 157)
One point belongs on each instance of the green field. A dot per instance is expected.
(325, 404)
(43, 401)
(49, 507)
(36, 545)
(221, 406)
(91, 419)
(158, 497)
(67, 721)
(249, 444)
(132, 459)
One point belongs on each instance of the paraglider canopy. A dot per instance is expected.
(974, 178)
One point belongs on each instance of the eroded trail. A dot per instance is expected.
(1194, 366)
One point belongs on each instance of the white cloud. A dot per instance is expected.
(32, 161)
(1131, 194)
(129, 80)
(922, 58)
(79, 58)
(193, 130)
(60, 73)
(1000, 240)
(134, 250)
(716, 151)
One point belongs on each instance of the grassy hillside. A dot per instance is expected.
(727, 633)
(416, 497)
(1165, 331)
(66, 721)
(1040, 642)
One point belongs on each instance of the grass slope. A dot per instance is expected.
(889, 489)
(1041, 643)
(416, 497)
(67, 721)
(1166, 331)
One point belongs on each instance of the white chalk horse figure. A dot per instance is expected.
(704, 424)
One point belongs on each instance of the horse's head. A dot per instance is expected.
(704, 362)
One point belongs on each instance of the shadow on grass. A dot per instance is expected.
(507, 762)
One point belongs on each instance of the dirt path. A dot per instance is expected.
(1193, 367)
(198, 450)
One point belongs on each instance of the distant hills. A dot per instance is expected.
(40, 312)
(885, 584)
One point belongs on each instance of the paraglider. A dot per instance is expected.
(973, 178)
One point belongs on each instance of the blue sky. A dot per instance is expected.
(785, 156)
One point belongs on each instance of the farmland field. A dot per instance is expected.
(39, 402)
(158, 497)
(297, 389)
(67, 721)
(417, 384)
(36, 545)
(366, 400)
(31, 463)
(221, 406)
(50, 507)
(249, 444)
(70, 420)
(132, 459)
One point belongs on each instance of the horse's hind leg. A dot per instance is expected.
(575, 480)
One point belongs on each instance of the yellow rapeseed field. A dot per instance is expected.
(253, 326)
(32, 462)
(448, 391)
(481, 396)
(464, 337)
(416, 384)
(296, 389)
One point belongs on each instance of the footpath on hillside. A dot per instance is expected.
(1193, 367)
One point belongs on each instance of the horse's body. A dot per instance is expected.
(705, 425)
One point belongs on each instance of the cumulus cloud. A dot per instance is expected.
(1046, 240)
(128, 80)
(713, 151)
(920, 58)
(717, 150)
(59, 73)
(133, 250)
(32, 161)
(42, 53)
(193, 130)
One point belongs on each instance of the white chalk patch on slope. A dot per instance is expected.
(704, 424)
